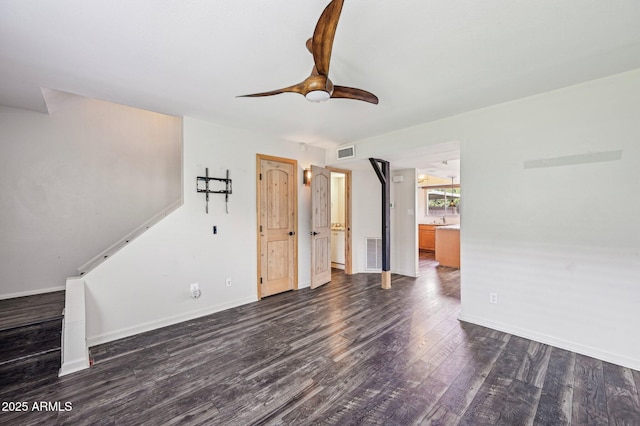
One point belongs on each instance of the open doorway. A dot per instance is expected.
(338, 221)
(341, 219)
(439, 207)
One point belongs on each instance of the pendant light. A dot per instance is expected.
(452, 204)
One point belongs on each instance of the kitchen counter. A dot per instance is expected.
(427, 235)
(455, 226)
(448, 245)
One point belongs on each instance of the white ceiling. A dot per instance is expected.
(424, 59)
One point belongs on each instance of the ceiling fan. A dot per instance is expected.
(318, 87)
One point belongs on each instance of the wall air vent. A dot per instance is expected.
(345, 152)
(373, 254)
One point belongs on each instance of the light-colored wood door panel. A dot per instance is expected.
(277, 187)
(277, 225)
(321, 264)
(320, 226)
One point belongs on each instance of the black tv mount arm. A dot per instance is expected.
(206, 179)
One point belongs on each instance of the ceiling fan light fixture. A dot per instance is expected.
(317, 96)
(317, 87)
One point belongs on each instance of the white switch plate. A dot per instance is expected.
(493, 298)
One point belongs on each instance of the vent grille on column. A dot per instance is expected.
(374, 254)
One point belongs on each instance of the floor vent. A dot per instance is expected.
(374, 254)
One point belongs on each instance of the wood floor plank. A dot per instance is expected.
(440, 416)
(369, 403)
(636, 380)
(623, 403)
(589, 395)
(554, 406)
(463, 389)
(534, 367)
(416, 407)
(502, 398)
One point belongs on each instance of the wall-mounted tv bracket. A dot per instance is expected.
(206, 179)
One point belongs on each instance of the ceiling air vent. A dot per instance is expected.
(346, 152)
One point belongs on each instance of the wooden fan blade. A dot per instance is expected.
(323, 35)
(352, 93)
(296, 88)
(309, 45)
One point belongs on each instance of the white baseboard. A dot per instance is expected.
(406, 273)
(153, 325)
(554, 341)
(73, 366)
(31, 292)
(305, 284)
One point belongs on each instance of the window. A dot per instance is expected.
(442, 201)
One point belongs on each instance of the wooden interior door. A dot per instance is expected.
(277, 225)
(320, 226)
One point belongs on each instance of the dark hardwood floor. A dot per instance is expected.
(346, 353)
(30, 341)
(22, 311)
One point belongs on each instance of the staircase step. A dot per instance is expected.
(21, 311)
(30, 341)
(18, 342)
(20, 375)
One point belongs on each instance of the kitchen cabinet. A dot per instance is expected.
(338, 246)
(427, 237)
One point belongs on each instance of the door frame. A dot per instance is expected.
(259, 158)
(348, 261)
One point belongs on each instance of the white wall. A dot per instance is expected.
(367, 219)
(366, 214)
(563, 249)
(146, 284)
(404, 225)
(75, 181)
(337, 198)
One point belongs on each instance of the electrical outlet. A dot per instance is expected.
(228, 282)
(493, 298)
(194, 290)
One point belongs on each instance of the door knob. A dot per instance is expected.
(291, 233)
(314, 233)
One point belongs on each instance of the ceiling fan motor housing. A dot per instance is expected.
(318, 88)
